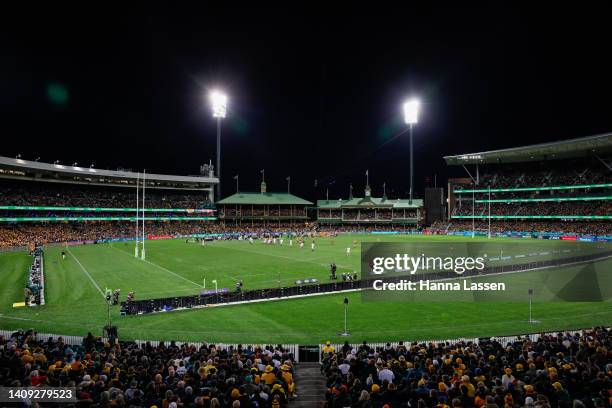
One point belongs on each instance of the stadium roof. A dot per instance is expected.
(59, 173)
(565, 149)
(369, 202)
(264, 199)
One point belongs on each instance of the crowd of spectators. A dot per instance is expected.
(550, 173)
(26, 233)
(537, 208)
(563, 370)
(501, 226)
(367, 214)
(267, 211)
(78, 195)
(100, 214)
(22, 234)
(364, 228)
(125, 374)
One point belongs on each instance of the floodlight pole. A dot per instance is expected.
(219, 157)
(411, 166)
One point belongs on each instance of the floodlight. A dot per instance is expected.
(219, 104)
(411, 111)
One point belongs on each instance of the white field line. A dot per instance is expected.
(161, 268)
(85, 271)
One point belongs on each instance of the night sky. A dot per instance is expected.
(314, 93)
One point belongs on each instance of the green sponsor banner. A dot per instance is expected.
(505, 190)
(529, 200)
(98, 209)
(538, 217)
(34, 219)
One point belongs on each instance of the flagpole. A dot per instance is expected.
(289, 185)
(237, 185)
(327, 193)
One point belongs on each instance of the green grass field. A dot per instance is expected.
(75, 304)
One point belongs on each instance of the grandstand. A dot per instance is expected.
(263, 209)
(557, 188)
(369, 211)
(44, 202)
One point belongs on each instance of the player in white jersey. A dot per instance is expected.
(280, 241)
(301, 244)
(290, 242)
(348, 251)
(250, 240)
(312, 246)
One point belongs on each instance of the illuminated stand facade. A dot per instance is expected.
(534, 188)
(116, 185)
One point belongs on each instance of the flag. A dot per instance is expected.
(288, 178)
(262, 171)
(236, 177)
(316, 183)
(367, 172)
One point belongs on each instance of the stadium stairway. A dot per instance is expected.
(310, 386)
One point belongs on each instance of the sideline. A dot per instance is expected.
(85, 271)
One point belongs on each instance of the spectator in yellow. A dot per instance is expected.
(208, 366)
(288, 378)
(255, 374)
(268, 377)
(328, 348)
(471, 390)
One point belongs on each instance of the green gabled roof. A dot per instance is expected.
(264, 199)
(378, 202)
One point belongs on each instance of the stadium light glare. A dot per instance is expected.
(411, 111)
(219, 107)
(411, 117)
(219, 104)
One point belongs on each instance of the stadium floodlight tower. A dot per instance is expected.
(218, 101)
(411, 117)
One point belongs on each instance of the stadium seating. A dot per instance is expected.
(80, 195)
(128, 375)
(561, 370)
(562, 196)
